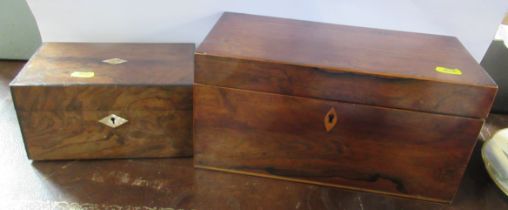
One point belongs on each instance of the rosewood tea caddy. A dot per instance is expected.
(374, 110)
(103, 100)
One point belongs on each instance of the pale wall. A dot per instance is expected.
(474, 22)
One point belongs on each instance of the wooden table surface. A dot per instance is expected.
(175, 184)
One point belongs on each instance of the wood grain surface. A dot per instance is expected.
(391, 151)
(352, 64)
(59, 114)
(164, 184)
(146, 64)
(62, 123)
(385, 91)
(102, 98)
(78, 135)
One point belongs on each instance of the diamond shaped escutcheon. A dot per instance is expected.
(113, 121)
(114, 61)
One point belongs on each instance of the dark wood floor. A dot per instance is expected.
(175, 184)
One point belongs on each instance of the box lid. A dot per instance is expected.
(404, 70)
(106, 77)
(64, 64)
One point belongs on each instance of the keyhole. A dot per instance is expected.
(330, 118)
(113, 121)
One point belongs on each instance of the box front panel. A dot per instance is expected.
(88, 122)
(79, 135)
(398, 152)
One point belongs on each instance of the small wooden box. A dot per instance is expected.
(358, 108)
(91, 100)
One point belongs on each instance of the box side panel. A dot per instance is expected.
(63, 122)
(398, 152)
(18, 117)
(402, 93)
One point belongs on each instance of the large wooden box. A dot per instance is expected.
(365, 109)
(91, 100)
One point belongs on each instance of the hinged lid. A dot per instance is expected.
(412, 71)
(64, 64)
(106, 76)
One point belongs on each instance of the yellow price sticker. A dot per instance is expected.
(83, 74)
(445, 70)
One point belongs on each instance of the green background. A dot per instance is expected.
(19, 35)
